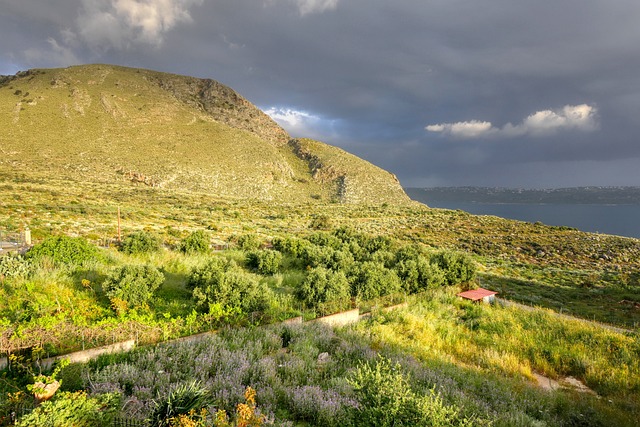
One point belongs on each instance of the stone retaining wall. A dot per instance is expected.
(339, 319)
(86, 355)
(333, 320)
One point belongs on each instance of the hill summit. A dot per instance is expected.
(112, 124)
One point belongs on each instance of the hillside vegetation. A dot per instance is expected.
(103, 123)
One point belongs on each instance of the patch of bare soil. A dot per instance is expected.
(546, 383)
(575, 384)
(567, 383)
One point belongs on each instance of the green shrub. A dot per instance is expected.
(72, 377)
(322, 285)
(132, 285)
(321, 222)
(340, 260)
(212, 271)
(375, 243)
(386, 399)
(139, 243)
(324, 239)
(74, 410)
(249, 242)
(458, 267)
(313, 255)
(347, 234)
(418, 274)
(290, 245)
(181, 401)
(14, 265)
(409, 252)
(384, 257)
(370, 280)
(64, 250)
(195, 243)
(264, 261)
(223, 283)
(363, 247)
(327, 256)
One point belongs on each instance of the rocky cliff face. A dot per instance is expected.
(222, 103)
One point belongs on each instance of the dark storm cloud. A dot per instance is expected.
(441, 93)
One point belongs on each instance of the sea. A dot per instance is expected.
(619, 220)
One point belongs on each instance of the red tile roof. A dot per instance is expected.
(476, 294)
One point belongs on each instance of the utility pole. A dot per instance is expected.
(119, 236)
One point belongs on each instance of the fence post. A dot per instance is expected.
(27, 237)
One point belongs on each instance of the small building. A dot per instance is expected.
(479, 294)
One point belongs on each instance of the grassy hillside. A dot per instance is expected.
(108, 124)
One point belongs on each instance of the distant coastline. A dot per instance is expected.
(497, 195)
(608, 210)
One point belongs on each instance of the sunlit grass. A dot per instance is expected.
(515, 342)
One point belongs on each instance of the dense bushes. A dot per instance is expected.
(417, 272)
(323, 272)
(139, 243)
(335, 267)
(370, 280)
(322, 285)
(290, 245)
(223, 283)
(248, 242)
(325, 256)
(457, 266)
(373, 265)
(132, 286)
(264, 261)
(64, 250)
(74, 410)
(386, 399)
(195, 243)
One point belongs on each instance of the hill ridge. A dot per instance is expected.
(108, 123)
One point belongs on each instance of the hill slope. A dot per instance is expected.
(103, 123)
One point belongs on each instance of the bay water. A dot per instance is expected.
(619, 220)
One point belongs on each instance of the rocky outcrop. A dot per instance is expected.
(222, 103)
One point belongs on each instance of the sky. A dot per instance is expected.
(528, 94)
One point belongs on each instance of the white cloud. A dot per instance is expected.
(315, 6)
(117, 24)
(300, 123)
(472, 129)
(306, 7)
(580, 117)
(289, 117)
(571, 117)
